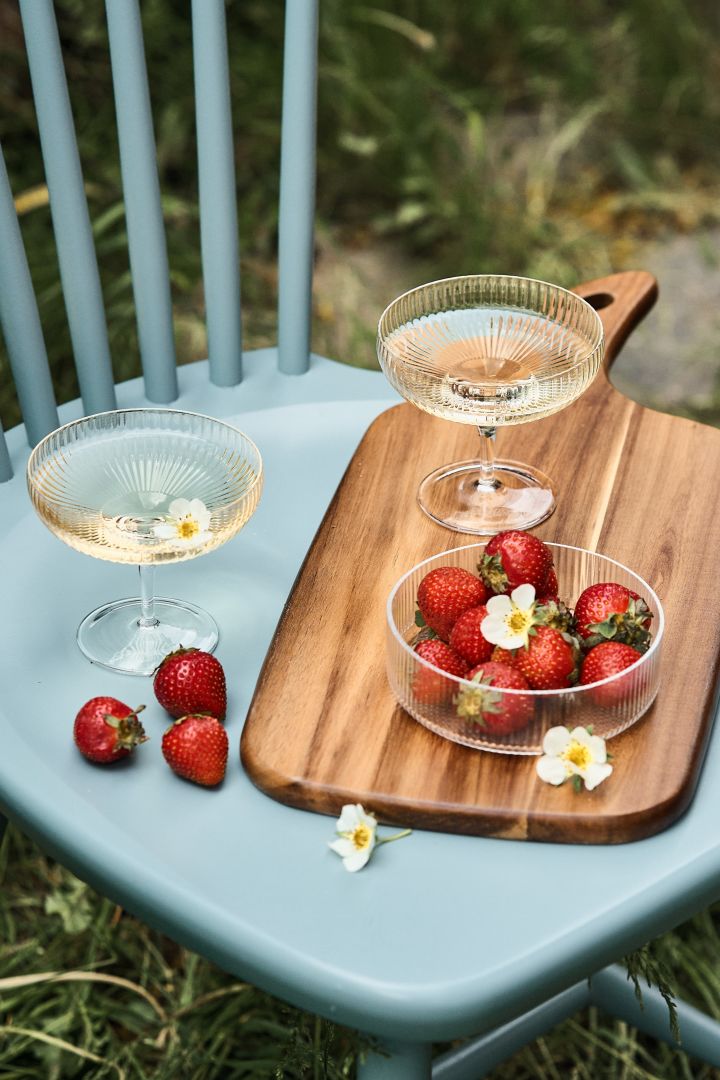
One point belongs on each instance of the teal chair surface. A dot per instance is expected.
(442, 936)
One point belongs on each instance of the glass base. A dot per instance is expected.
(458, 497)
(112, 636)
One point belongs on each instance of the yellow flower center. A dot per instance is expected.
(187, 528)
(578, 754)
(519, 621)
(361, 837)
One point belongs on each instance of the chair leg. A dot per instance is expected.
(396, 1061)
(700, 1035)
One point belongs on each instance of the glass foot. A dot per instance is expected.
(459, 497)
(113, 636)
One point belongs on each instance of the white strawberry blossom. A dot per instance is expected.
(187, 521)
(578, 754)
(357, 837)
(509, 618)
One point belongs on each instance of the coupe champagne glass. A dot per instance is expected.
(489, 350)
(145, 486)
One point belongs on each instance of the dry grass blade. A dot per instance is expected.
(16, 982)
(61, 1044)
(213, 995)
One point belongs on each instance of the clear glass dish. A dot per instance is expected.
(609, 707)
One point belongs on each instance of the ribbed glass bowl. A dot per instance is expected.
(105, 483)
(609, 707)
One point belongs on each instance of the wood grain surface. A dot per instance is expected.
(637, 485)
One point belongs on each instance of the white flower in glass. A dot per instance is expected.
(578, 754)
(187, 521)
(510, 618)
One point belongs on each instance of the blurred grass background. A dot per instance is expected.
(556, 140)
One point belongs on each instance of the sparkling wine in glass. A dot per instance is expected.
(145, 486)
(489, 350)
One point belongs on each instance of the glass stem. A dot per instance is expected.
(487, 480)
(147, 596)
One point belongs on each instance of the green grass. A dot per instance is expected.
(548, 139)
(124, 1001)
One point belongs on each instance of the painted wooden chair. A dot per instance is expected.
(444, 935)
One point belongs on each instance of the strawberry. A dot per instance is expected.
(550, 589)
(606, 659)
(467, 639)
(105, 730)
(196, 748)
(515, 558)
(550, 660)
(191, 681)
(429, 687)
(503, 656)
(498, 714)
(610, 612)
(444, 594)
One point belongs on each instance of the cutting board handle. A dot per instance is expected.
(622, 301)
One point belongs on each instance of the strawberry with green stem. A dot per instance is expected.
(515, 558)
(485, 705)
(107, 730)
(609, 611)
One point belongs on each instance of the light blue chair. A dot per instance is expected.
(443, 936)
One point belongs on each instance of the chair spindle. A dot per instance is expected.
(297, 186)
(218, 207)
(143, 212)
(21, 324)
(68, 205)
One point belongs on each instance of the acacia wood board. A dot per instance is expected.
(637, 485)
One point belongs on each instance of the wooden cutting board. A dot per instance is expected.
(637, 485)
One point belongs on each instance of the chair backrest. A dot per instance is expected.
(145, 229)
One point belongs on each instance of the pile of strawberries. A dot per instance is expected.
(607, 631)
(190, 685)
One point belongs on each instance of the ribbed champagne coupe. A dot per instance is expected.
(489, 350)
(145, 486)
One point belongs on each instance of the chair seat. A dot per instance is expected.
(441, 935)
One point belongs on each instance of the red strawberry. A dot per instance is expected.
(503, 656)
(467, 639)
(191, 681)
(445, 593)
(196, 748)
(549, 662)
(610, 612)
(550, 589)
(105, 730)
(429, 687)
(514, 558)
(498, 714)
(606, 659)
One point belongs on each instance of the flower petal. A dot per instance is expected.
(165, 532)
(342, 847)
(349, 818)
(357, 860)
(556, 740)
(494, 629)
(581, 735)
(551, 770)
(499, 605)
(179, 508)
(523, 597)
(512, 641)
(595, 774)
(597, 748)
